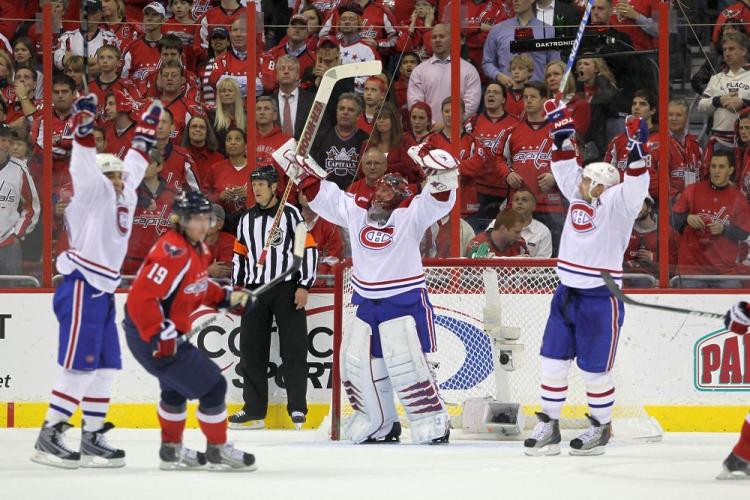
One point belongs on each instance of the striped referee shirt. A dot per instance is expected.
(252, 232)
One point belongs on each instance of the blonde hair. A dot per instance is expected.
(570, 86)
(524, 60)
(223, 120)
(10, 63)
(600, 65)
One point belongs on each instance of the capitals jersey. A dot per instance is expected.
(701, 252)
(528, 152)
(617, 154)
(377, 21)
(140, 58)
(595, 235)
(172, 283)
(178, 169)
(150, 222)
(19, 201)
(641, 240)
(98, 221)
(356, 52)
(386, 259)
(124, 33)
(492, 133)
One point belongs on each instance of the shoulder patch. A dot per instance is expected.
(172, 250)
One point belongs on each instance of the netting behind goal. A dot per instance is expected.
(457, 291)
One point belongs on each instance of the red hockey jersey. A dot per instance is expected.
(377, 21)
(617, 154)
(493, 133)
(118, 143)
(140, 58)
(641, 241)
(700, 252)
(528, 153)
(640, 39)
(179, 169)
(203, 161)
(151, 221)
(514, 103)
(173, 279)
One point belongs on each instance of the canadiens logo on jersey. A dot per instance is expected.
(376, 238)
(582, 216)
(123, 219)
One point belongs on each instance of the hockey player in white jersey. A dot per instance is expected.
(99, 219)
(384, 349)
(585, 319)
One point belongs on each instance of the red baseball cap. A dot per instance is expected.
(330, 39)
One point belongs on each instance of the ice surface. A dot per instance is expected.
(304, 466)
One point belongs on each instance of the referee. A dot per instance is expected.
(286, 301)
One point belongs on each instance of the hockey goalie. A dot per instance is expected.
(384, 350)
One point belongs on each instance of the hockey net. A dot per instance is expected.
(465, 369)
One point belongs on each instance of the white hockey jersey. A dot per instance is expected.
(98, 222)
(595, 236)
(386, 258)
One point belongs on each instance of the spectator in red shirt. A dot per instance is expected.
(742, 152)
(179, 170)
(388, 136)
(314, 23)
(200, 142)
(221, 245)
(528, 156)
(151, 219)
(113, 19)
(171, 49)
(22, 105)
(503, 240)
(230, 110)
(219, 44)
(109, 80)
(373, 97)
(492, 128)
(577, 105)
(685, 155)
(231, 177)
(223, 15)
(269, 137)
(142, 56)
(120, 127)
(374, 165)
(172, 76)
(183, 26)
(418, 36)
(329, 242)
(73, 67)
(640, 254)
(713, 217)
(100, 139)
(409, 61)
(521, 69)
(294, 44)
(420, 119)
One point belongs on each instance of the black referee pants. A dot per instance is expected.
(255, 346)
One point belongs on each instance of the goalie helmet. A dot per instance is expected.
(601, 173)
(108, 163)
(390, 191)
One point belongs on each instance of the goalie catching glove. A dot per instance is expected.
(440, 167)
(303, 171)
(236, 300)
(737, 319)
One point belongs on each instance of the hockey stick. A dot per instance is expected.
(85, 33)
(627, 300)
(314, 118)
(574, 50)
(300, 236)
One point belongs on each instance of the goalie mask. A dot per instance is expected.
(601, 173)
(390, 191)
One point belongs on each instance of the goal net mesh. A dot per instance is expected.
(465, 367)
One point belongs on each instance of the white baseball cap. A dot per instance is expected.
(156, 7)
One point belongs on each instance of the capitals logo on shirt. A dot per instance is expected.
(341, 161)
(582, 216)
(172, 250)
(541, 156)
(376, 238)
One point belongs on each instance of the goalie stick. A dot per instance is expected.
(627, 300)
(314, 118)
(300, 236)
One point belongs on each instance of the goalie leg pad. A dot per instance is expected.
(600, 392)
(363, 382)
(412, 379)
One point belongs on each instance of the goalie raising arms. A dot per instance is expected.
(384, 349)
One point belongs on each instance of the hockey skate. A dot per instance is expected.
(545, 438)
(734, 467)
(243, 421)
(593, 441)
(175, 456)
(50, 449)
(298, 419)
(442, 440)
(393, 436)
(97, 453)
(227, 458)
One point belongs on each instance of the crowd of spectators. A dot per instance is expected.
(192, 55)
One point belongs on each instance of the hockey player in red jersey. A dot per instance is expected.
(737, 464)
(170, 285)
